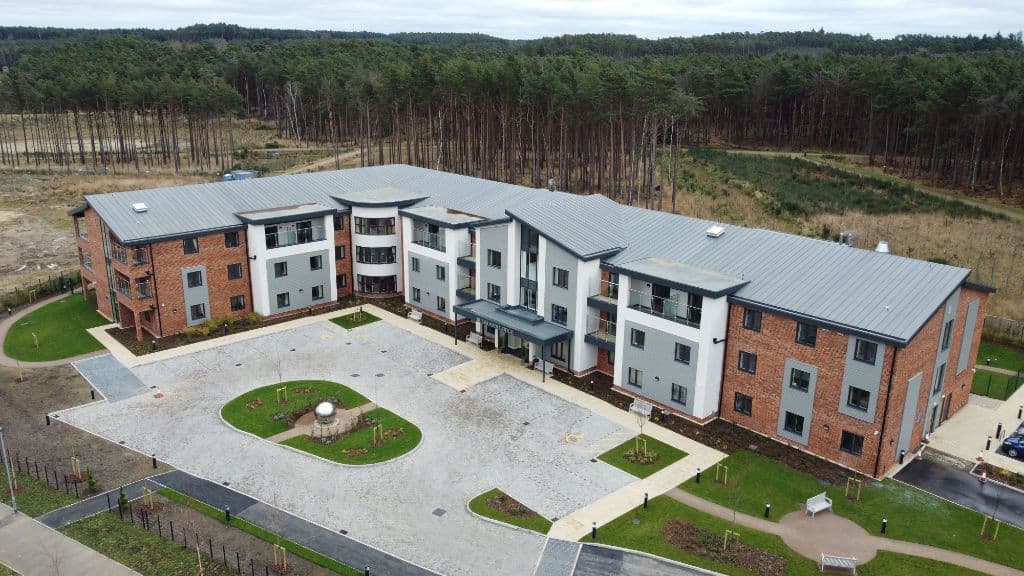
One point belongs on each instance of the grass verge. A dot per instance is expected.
(354, 320)
(914, 515)
(667, 455)
(60, 327)
(1002, 356)
(265, 535)
(359, 442)
(35, 497)
(528, 519)
(258, 411)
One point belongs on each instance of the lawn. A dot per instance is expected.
(994, 385)
(913, 515)
(139, 549)
(352, 320)
(667, 455)
(646, 535)
(362, 438)
(1002, 356)
(265, 535)
(5, 571)
(270, 417)
(60, 327)
(35, 498)
(524, 517)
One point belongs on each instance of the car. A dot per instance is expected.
(1013, 445)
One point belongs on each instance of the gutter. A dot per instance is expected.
(885, 413)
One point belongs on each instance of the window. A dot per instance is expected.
(947, 334)
(194, 279)
(682, 353)
(528, 297)
(231, 239)
(415, 294)
(291, 233)
(82, 227)
(376, 284)
(191, 245)
(558, 350)
(384, 255)
(341, 280)
(748, 362)
(493, 292)
(318, 292)
(800, 379)
(794, 423)
(637, 337)
(678, 394)
(234, 271)
(636, 378)
(280, 269)
(940, 376)
(694, 306)
(86, 259)
(806, 334)
(752, 319)
(237, 303)
(611, 356)
(493, 258)
(858, 398)
(339, 252)
(865, 351)
(441, 304)
(440, 271)
(560, 277)
(559, 315)
(414, 263)
(851, 443)
(197, 311)
(375, 226)
(743, 404)
(316, 262)
(339, 222)
(284, 299)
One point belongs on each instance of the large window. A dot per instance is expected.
(560, 277)
(375, 284)
(743, 404)
(291, 233)
(947, 334)
(318, 292)
(559, 315)
(794, 423)
(558, 350)
(316, 262)
(280, 269)
(375, 226)
(384, 255)
(237, 303)
(442, 305)
(752, 319)
(234, 271)
(635, 377)
(528, 251)
(682, 353)
(858, 398)
(284, 299)
(231, 239)
(341, 280)
(865, 351)
(414, 264)
(528, 297)
(678, 394)
(339, 222)
(748, 362)
(806, 334)
(494, 292)
(799, 379)
(694, 309)
(940, 376)
(339, 252)
(416, 294)
(851, 443)
(197, 311)
(440, 272)
(637, 337)
(493, 258)
(190, 245)
(194, 279)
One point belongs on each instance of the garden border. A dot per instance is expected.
(507, 525)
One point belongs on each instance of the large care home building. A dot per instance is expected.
(849, 354)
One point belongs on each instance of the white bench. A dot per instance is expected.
(818, 503)
(839, 562)
(474, 338)
(415, 315)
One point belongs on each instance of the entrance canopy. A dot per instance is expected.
(520, 320)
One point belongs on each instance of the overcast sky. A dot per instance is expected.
(536, 18)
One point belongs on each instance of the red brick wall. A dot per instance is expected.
(604, 364)
(169, 258)
(94, 246)
(343, 237)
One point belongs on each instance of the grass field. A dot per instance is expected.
(1002, 356)
(362, 438)
(641, 529)
(350, 321)
(35, 497)
(667, 455)
(60, 327)
(913, 515)
(994, 385)
(530, 521)
(265, 535)
(265, 419)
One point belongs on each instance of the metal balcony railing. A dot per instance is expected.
(123, 286)
(601, 328)
(144, 290)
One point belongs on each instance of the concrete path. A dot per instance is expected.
(558, 558)
(966, 490)
(996, 369)
(9, 321)
(32, 549)
(93, 505)
(827, 532)
(347, 419)
(108, 376)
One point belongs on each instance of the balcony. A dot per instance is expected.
(467, 255)
(144, 290)
(466, 287)
(600, 333)
(282, 235)
(606, 298)
(432, 240)
(129, 257)
(655, 302)
(123, 286)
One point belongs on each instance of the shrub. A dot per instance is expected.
(253, 318)
(89, 481)
(194, 332)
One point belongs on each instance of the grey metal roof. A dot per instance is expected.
(688, 278)
(284, 213)
(442, 216)
(523, 321)
(586, 226)
(389, 196)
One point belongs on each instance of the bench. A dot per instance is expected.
(838, 562)
(818, 503)
(415, 315)
(474, 338)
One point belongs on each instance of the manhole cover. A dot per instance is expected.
(636, 521)
(593, 460)
(439, 512)
(226, 483)
(381, 375)
(342, 531)
(354, 375)
(239, 364)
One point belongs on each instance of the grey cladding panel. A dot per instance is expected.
(493, 238)
(657, 360)
(299, 282)
(909, 412)
(964, 359)
(864, 376)
(797, 401)
(942, 356)
(426, 280)
(195, 295)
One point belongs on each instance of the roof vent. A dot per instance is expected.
(140, 207)
(882, 247)
(715, 231)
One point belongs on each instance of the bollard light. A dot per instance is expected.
(999, 430)
(903, 453)
(227, 514)
(885, 523)
(593, 531)
(767, 510)
(988, 443)
(698, 475)
(645, 500)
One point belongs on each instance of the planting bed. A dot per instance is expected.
(714, 546)
(499, 506)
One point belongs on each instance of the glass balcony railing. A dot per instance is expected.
(668, 307)
(601, 328)
(289, 237)
(432, 240)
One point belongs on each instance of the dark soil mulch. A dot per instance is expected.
(718, 434)
(1000, 475)
(508, 505)
(710, 545)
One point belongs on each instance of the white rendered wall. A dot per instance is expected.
(584, 356)
(377, 241)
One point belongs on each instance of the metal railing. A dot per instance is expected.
(119, 253)
(467, 284)
(606, 289)
(144, 290)
(293, 236)
(601, 328)
(669, 308)
(123, 286)
(431, 240)
(467, 250)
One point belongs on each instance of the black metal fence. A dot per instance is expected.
(991, 384)
(54, 284)
(1004, 330)
(71, 484)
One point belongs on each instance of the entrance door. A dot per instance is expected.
(946, 402)
(502, 340)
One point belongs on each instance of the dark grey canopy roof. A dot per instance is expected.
(520, 320)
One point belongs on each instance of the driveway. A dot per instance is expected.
(499, 433)
(964, 489)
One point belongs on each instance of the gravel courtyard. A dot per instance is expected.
(500, 433)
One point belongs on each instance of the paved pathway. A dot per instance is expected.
(347, 419)
(9, 321)
(32, 549)
(110, 377)
(996, 369)
(966, 490)
(558, 558)
(93, 505)
(812, 537)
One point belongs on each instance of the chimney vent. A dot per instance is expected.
(140, 207)
(715, 231)
(882, 247)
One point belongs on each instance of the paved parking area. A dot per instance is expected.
(499, 433)
(966, 490)
(109, 377)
